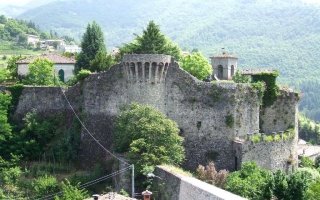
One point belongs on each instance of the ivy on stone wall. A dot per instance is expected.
(16, 91)
(272, 90)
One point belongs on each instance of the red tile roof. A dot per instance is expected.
(55, 58)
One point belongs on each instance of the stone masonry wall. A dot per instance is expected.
(177, 186)
(271, 155)
(282, 114)
(210, 115)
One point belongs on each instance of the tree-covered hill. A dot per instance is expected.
(282, 34)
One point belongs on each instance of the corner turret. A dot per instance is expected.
(224, 66)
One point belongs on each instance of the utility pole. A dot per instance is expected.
(132, 180)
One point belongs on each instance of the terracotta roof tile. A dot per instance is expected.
(55, 58)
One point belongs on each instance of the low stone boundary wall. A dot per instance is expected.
(175, 185)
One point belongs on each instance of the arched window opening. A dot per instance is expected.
(153, 72)
(61, 75)
(232, 70)
(133, 71)
(220, 72)
(146, 70)
(160, 71)
(140, 75)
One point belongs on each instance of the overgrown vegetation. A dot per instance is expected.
(149, 138)
(210, 175)
(197, 65)
(41, 72)
(271, 88)
(38, 154)
(253, 182)
(309, 130)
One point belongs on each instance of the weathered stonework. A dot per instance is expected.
(175, 185)
(210, 115)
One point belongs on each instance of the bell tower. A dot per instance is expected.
(224, 66)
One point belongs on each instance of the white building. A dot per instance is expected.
(69, 48)
(33, 40)
(64, 66)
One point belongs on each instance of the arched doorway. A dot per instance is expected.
(61, 75)
(220, 72)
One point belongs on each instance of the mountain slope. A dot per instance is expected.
(282, 34)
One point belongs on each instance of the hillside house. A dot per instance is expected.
(64, 66)
(33, 40)
(69, 48)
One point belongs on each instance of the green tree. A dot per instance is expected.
(3, 19)
(93, 54)
(251, 182)
(313, 191)
(45, 185)
(70, 192)
(102, 61)
(298, 183)
(239, 78)
(41, 72)
(149, 137)
(280, 185)
(5, 127)
(197, 65)
(4, 75)
(306, 162)
(13, 67)
(152, 41)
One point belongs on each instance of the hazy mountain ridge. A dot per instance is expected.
(281, 34)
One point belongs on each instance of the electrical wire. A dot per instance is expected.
(90, 183)
(82, 124)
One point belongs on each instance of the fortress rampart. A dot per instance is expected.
(211, 116)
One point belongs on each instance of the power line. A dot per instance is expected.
(85, 185)
(82, 124)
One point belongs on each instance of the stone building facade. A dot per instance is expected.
(215, 119)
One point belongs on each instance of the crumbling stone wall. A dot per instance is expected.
(210, 115)
(282, 114)
(270, 155)
(175, 185)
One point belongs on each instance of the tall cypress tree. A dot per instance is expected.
(93, 55)
(152, 41)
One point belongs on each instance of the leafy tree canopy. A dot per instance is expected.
(152, 41)
(197, 65)
(41, 72)
(13, 67)
(93, 55)
(251, 182)
(148, 136)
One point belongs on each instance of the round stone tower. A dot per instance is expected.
(151, 68)
(146, 77)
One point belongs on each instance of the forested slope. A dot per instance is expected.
(263, 33)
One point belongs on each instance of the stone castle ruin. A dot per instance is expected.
(219, 120)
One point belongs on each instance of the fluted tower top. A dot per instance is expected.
(146, 67)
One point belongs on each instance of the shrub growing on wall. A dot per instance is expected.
(149, 137)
